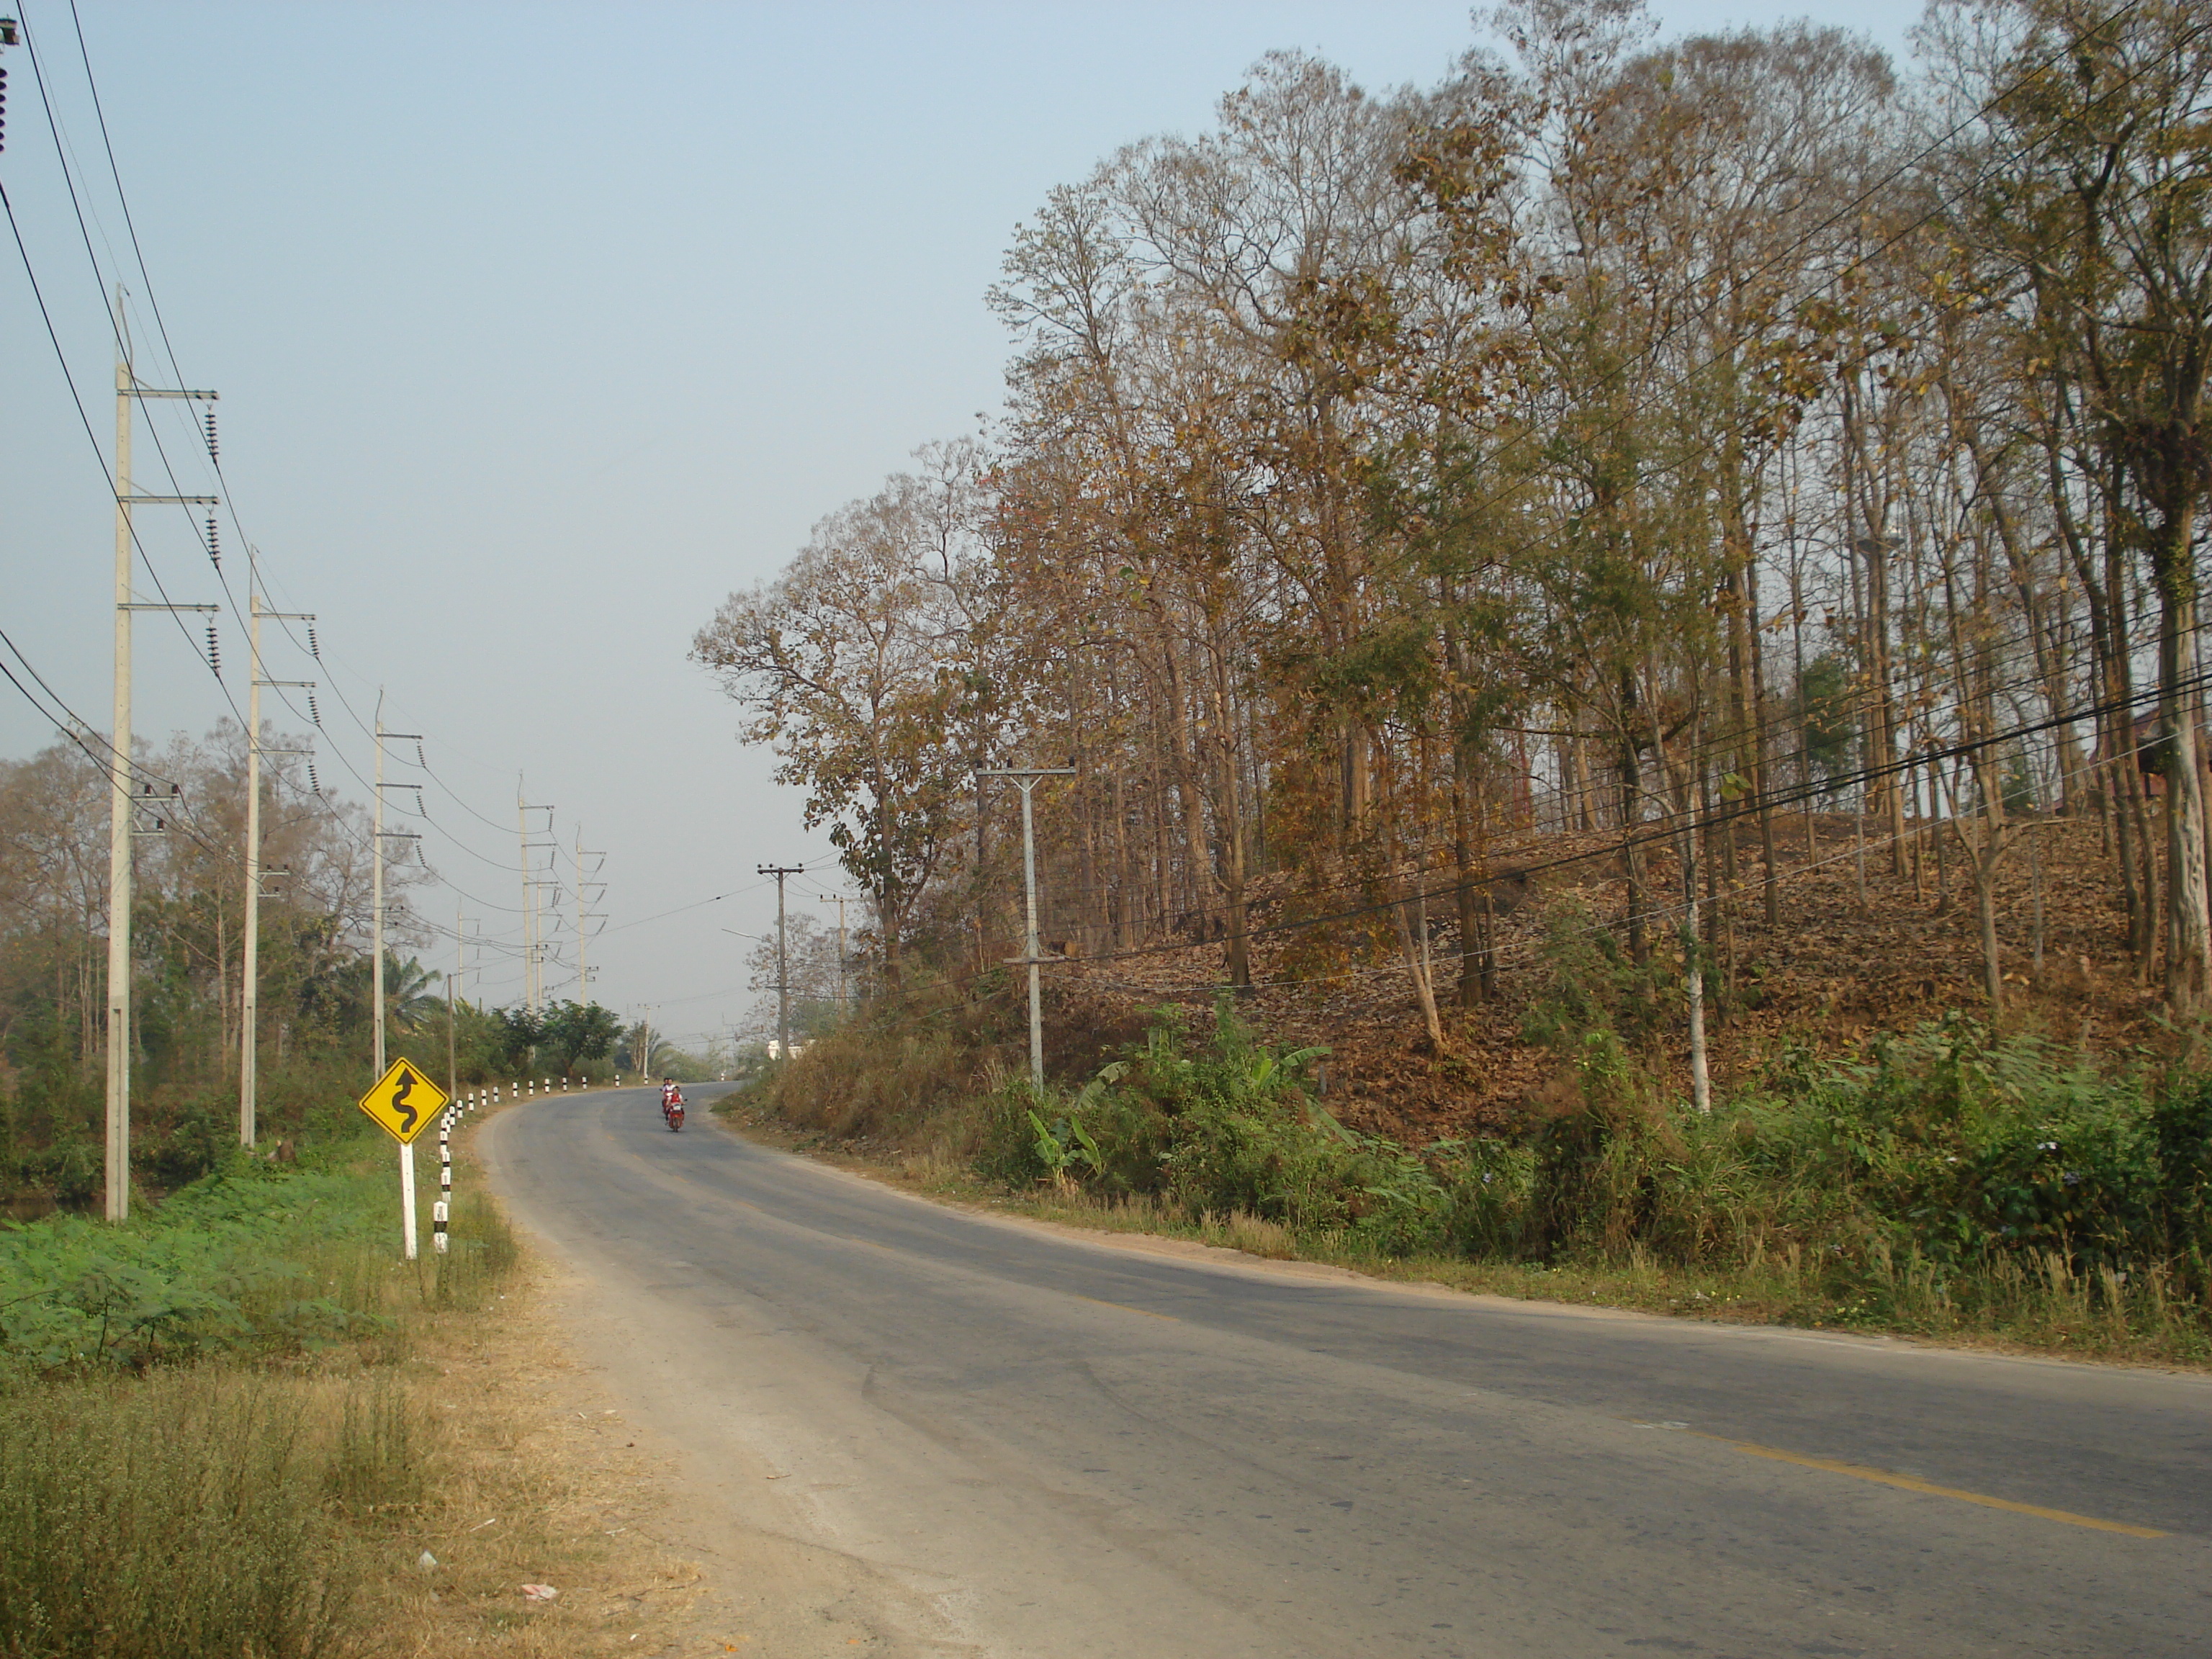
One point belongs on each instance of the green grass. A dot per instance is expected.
(209, 1433)
(259, 1259)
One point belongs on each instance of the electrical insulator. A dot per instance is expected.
(214, 653)
(214, 455)
(314, 714)
(314, 645)
(4, 106)
(314, 783)
(215, 543)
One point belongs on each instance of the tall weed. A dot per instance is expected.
(177, 1517)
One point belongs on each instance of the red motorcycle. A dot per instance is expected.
(672, 1110)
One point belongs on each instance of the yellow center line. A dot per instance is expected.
(1911, 1483)
(1125, 1307)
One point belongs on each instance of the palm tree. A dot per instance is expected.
(408, 998)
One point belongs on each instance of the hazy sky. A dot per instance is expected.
(538, 329)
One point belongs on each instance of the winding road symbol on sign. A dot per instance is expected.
(403, 1101)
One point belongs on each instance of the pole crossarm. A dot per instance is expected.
(149, 605)
(137, 388)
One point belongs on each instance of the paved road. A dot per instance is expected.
(1044, 1447)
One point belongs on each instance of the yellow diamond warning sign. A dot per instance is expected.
(403, 1101)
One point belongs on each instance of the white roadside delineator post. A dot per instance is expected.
(439, 1211)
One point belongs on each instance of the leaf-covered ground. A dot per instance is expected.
(1830, 973)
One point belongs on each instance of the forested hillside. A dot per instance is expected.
(1675, 505)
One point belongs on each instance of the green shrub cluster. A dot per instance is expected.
(1945, 1156)
(260, 1257)
(1228, 1127)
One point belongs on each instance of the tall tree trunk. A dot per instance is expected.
(1631, 776)
(2189, 925)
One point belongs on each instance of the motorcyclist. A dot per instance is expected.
(670, 1095)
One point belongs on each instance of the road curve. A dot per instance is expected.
(1043, 1447)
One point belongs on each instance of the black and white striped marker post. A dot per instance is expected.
(441, 1210)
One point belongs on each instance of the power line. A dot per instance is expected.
(84, 233)
(115, 173)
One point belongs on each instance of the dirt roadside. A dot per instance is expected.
(677, 1540)
(557, 1474)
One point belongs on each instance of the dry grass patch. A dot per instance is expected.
(535, 1481)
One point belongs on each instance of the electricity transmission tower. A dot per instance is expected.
(838, 899)
(532, 949)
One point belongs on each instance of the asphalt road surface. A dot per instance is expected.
(1034, 1445)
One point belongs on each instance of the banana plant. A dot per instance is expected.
(1065, 1143)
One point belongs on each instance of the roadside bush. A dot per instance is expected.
(894, 1064)
(1930, 1160)
(260, 1257)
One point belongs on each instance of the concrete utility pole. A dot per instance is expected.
(782, 956)
(1025, 778)
(376, 966)
(249, 999)
(838, 899)
(123, 791)
(529, 913)
(376, 884)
